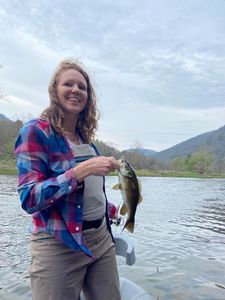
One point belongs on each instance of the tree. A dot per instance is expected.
(178, 164)
(8, 132)
(137, 145)
(218, 166)
(107, 150)
(200, 161)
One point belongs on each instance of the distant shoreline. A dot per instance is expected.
(10, 169)
(8, 166)
(149, 173)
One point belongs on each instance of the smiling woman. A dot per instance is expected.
(72, 92)
(61, 183)
(71, 86)
(72, 96)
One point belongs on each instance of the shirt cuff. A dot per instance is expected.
(68, 183)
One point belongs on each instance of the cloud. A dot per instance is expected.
(164, 124)
(23, 109)
(27, 66)
(158, 67)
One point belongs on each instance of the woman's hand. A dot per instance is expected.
(99, 166)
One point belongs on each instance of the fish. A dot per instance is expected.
(130, 189)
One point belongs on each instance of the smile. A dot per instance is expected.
(74, 99)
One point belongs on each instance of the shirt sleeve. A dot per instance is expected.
(112, 210)
(37, 189)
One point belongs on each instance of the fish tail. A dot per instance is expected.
(129, 225)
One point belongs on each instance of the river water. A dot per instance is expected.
(179, 239)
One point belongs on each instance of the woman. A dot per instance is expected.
(61, 183)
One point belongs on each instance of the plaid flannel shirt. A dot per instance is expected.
(46, 184)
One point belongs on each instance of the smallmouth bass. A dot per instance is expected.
(130, 189)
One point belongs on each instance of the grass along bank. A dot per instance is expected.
(162, 173)
(9, 168)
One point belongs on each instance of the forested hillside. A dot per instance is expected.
(136, 158)
(203, 154)
(212, 142)
(9, 130)
(8, 133)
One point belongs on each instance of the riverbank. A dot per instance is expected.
(9, 168)
(149, 173)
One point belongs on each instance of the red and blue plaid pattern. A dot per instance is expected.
(47, 186)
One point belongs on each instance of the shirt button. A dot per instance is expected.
(51, 201)
(77, 228)
(70, 188)
(78, 206)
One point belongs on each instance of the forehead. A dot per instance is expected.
(71, 74)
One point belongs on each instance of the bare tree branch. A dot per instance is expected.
(137, 145)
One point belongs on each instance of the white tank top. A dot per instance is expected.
(94, 198)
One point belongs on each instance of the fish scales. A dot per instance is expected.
(130, 190)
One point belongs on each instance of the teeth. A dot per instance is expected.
(74, 99)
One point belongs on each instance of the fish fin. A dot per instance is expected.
(123, 210)
(117, 186)
(140, 199)
(139, 185)
(129, 225)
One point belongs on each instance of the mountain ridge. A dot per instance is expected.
(211, 141)
(3, 117)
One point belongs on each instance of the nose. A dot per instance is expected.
(75, 89)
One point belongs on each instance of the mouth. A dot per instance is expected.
(74, 99)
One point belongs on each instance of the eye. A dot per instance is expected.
(68, 83)
(82, 87)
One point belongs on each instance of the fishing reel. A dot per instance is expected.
(115, 217)
(117, 221)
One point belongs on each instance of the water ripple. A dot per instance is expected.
(179, 239)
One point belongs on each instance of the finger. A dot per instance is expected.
(114, 167)
(116, 164)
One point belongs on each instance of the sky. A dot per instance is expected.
(158, 67)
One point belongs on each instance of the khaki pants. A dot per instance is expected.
(59, 273)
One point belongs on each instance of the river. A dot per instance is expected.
(179, 239)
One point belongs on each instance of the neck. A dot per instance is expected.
(69, 123)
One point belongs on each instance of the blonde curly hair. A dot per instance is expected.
(87, 123)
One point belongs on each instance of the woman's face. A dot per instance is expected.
(72, 91)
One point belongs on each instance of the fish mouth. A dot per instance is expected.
(125, 168)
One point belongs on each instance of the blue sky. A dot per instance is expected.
(158, 66)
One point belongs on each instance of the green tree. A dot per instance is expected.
(200, 161)
(178, 164)
(8, 132)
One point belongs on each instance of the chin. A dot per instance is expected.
(72, 111)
